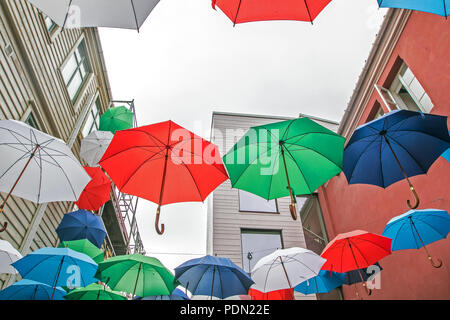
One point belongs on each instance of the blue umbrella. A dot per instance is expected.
(177, 294)
(417, 228)
(396, 146)
(213, 276)
(361, 275)
(82, 224)
(31, 290)
(440, 7)
(322, 283)
(446, 154)
(58, 267)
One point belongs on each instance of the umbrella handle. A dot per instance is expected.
(437, 266)
(415, 196)
(5, 225)
(293, 211)
(368, 291)
(160, 231)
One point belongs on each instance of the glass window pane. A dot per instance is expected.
(69, 69)
(88, 126)
(259, 243)
(74, 86)
(253, 203)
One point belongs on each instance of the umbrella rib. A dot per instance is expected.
(133, 147)
(15, 162)
(301, 172)
(381, 162)
(398, 232)
(201, 278)
(268, 271)
(271, 176)
(414, 237)
(40, 174)
(362, 255)
(221, 284)
(139, 167)
(319, 153)
(427, 134)
(407, 151)
(430, 226)
(193, 179)
(375, 244)
(360, 156)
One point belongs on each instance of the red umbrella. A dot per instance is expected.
(240, 11)
(96, 192)
(284, 294)
(163, 163)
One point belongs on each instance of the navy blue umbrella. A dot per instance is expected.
(177, 294)
(82, 224)
(362, 275)
(396, 146)
(213, 276)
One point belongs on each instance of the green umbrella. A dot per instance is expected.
(86, 247)
(115, 119)
(285, 158)
(136, 274)
(94, 291)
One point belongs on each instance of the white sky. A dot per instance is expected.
(188, 60)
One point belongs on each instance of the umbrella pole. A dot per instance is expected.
(212, 286)
(411, 187)
(423, 245)
(289, 282)
(368, 291)
(159, 230)
(2, 206)
(57, 276)
(292, 205)
(137, 278)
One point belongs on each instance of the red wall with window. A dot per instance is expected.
(424, 46)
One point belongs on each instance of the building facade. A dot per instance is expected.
(54, 80)
(408, 68)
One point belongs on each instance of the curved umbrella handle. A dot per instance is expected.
(415, 196)
(437, 266)
(5, 225)
(293, 210)
(160, 231)
(368, 291)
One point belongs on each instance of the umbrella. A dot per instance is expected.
(283, 294)
(446, 154)
(213, 276)
(32, 290)
(322, 283)
(396, 146)
(361, 275)
(57, 267)
(285, 158)
(8, 255)
(97, 191)
(36, 166)
(439, 7)
(137, 274)
(285, 268)
(177, 294)
(94, 291)
(86, 247)
(82, 224)
(94, 146)
(124, 14)
(250, 10)
(417, 228)
(180, 165)
(116, 119)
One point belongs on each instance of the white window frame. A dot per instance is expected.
(242, 192)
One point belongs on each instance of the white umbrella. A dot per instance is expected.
(285, 268)
(36, 166)
(126, 14)
(93, 146)
(8, 255)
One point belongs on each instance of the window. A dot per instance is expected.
(50, 24)
(249, 202)
(76, 71)
(92, 119)
(257, 244)
(313, 224)
(31, 121)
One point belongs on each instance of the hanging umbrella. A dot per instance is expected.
(286, 268)
(163, 163)
(177, 294)
(446, 154)
(36, 166)
(439, 7)
(322, 283)
(213, 276)
(94, 146)
(57, 267)
(137, 274)
(32, 290)
(283, 294)
(82, 224)
(396, 146)
(123, 14)
(417, 228)
(86, 247)
(249, 10)
(94, 291)
(8, 255)
(97, 192)
(285, 158)
(116, 119)
(361, 275)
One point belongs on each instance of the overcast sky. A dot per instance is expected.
(188, 60)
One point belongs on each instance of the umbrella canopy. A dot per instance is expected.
(177, 294)
(440, 7)
(285, 268)
(94, 146)
(361, 275)
(123, 14)
(97, 192)
(322, 283)
(94, 291)
(283, 294)
(355, 250)
(36, 166)
(285, 158)
(137, 274)
(82, 224)
(396, 146)
(213, 276)
(252, 10)
(86, 247)
(116, 119)
(180, 165)
(58, 267)
(8, 255)
(446, 154)
(31, 290)
(417, 228)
